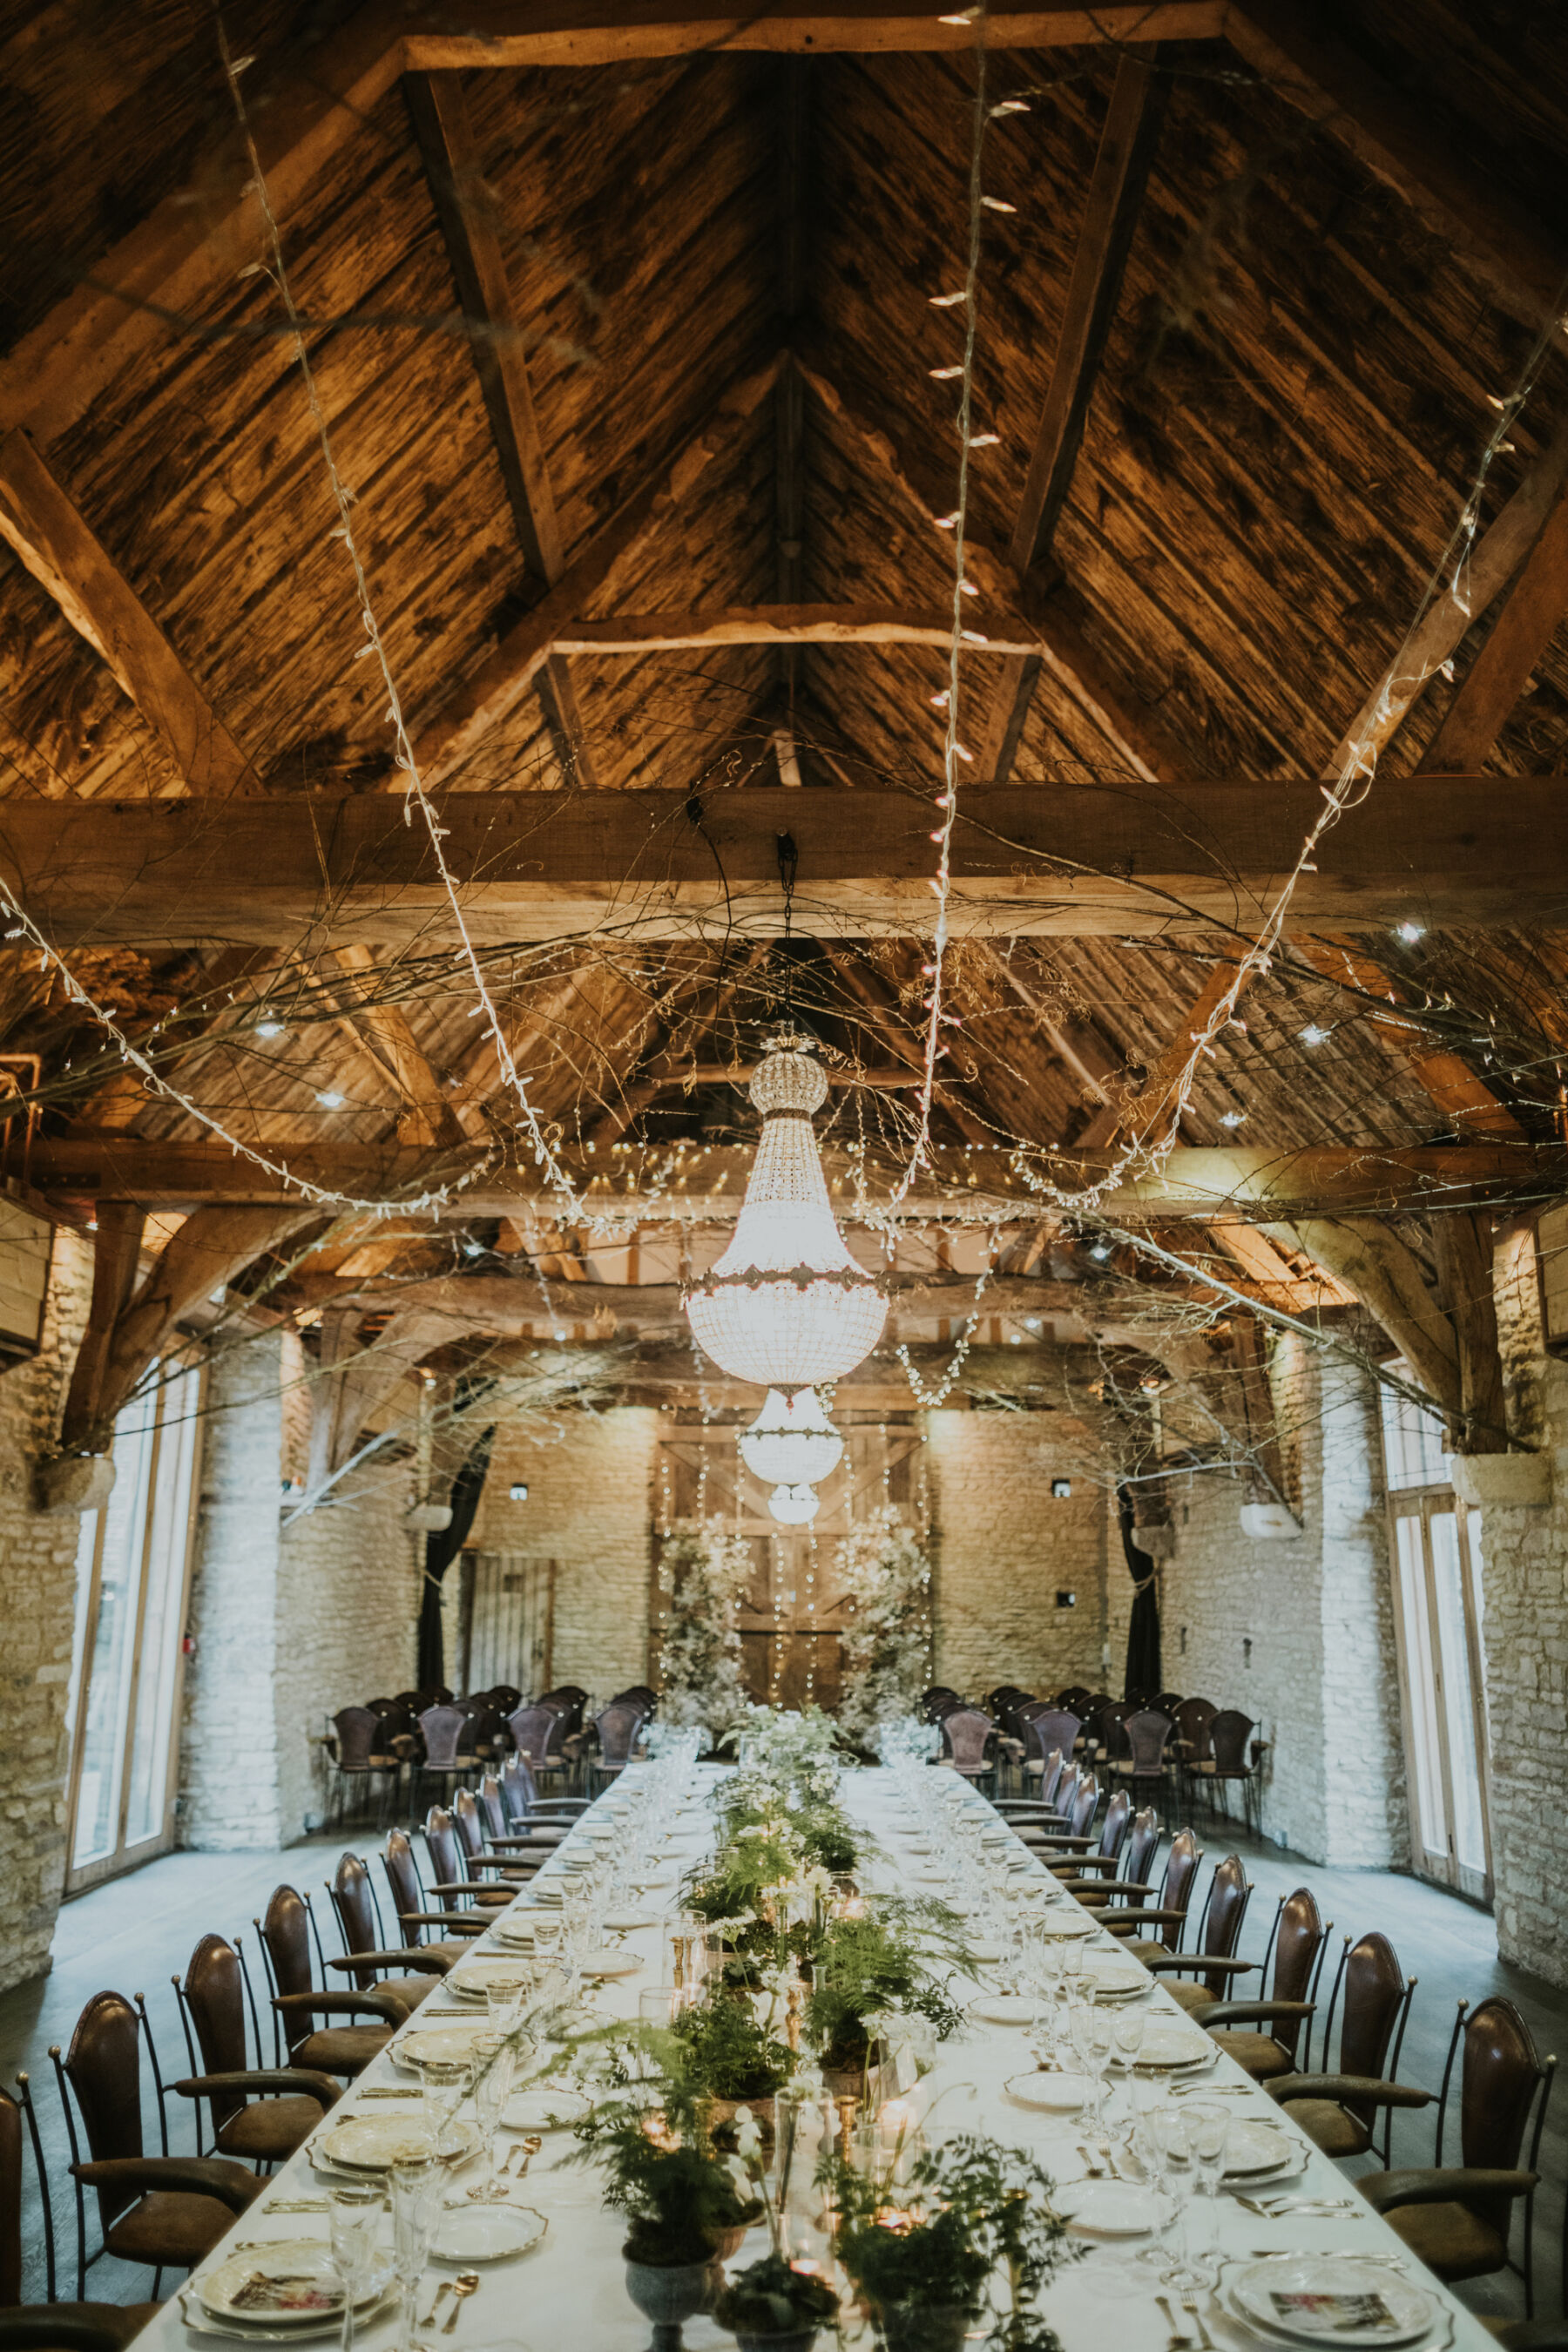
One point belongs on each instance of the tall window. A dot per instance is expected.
(1437, 1563)
(132, 1573)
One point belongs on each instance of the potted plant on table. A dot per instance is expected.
(926, 2254)
(734, 2059)
(774, 2306)
(866, 1964)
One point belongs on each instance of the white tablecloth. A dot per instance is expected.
(570, 2292)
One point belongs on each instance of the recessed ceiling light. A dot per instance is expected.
(1313, 1035)
(329, 1099)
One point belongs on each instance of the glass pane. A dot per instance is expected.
(109, 1692)
(1413, 1451)
(1458, 1716)
(1424, 1759)
(161, 1626)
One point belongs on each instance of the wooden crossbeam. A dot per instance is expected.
(1500, 671)
(43, 526)
(1089, 860)
(1454, 184)
(1154, 1116)
(795, 625)
(468, 217)
(428, 1116)
(1453, 1086)
(483, 699)
(668, 1184)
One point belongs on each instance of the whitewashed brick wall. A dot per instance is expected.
(37, 1594)
(589, 1507)
(1005, 1547)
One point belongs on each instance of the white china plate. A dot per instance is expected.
(1407, 2310)
(1057, 2093)
(200, 2322)
(1253, 2150)
(1005, 2008)
(375, 2143)
(611, 1964)
(474, 1982)
(1113, 2208)
(454, 2044)
(533, 2110)
(1067, 1924)
(486, 2233)
(983, 1949)
(513, 1931)
(628, 1923)
(1174, 2046)
(296, 2258)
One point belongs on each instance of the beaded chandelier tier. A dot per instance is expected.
(786, 1305)
(792, 1443)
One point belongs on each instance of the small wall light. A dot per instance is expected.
(1061, 1488)
(1066, 1601)
(519, 1493)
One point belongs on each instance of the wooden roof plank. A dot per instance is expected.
(1497, 676)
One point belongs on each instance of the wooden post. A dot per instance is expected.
(1463, 1243)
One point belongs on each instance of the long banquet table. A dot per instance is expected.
(571, 2291)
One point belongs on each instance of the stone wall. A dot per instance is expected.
(1300, 1633)
(1524, 1579)
(590, 1508)
(37, 1592)
(1005, 1547)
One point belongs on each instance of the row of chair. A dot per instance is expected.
(1457, 2218)
(1187, 1745)
(378, 1747)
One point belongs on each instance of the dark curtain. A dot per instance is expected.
(440, 1551)
(1143, 1627)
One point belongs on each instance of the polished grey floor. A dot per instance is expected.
(134, 1933)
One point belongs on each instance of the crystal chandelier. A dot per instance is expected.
(792, 1443)
(786, 1305)
(793, 1506)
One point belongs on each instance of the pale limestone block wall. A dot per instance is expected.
(37, 1600)
(589, 1507)
(1004, 1546)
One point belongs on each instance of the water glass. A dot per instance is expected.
(1178, 2138)
(354, 2225)
(1092, 2040)
(1209, 2123)
(415, 2197)
(446, 2081)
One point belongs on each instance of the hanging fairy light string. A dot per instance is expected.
(954, 751)
(930, 1398)
(545, 1154)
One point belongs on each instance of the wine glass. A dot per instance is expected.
(446, 2081)
(1179, 2140)
(353, 2224)
(495, 2059)
(415, 2193)
(1209, 2124)
(1092, 2039)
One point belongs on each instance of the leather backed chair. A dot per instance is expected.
(938, 1701)
(1097, 1882)
(1228, 1764)
(1296, 1947)
(1153, 1931)
(257, 2115)
(1055, 1728)
(1458, 2218)
(452, 1881)
(469, 1820)
(1147, 1735)
(496, 1796)
(617, 1726)
(448, 1750)
(537, 1734)
(1104, 1850)
(1075, 1833)
(362, 1756)
(527, 1809)
(412, 1906)
(363, 1956)
(284, 1933)
(965, 1737)
(1037, 1822)
(1043, 1798)
(1213, 1960)
(72, 2326)
(1339, 2112)
(165, 2211)
(1075, 1698)
(1193, 1745)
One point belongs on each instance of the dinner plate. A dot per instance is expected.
(1332, 2297)
(475, 1981)
(471, 2232)
(201, 2322)
(513, 1931)
(1252, 2149)
(1112, 2209)
(627, 1923)
(1114, 1979)
(452, 2044)
(982, 1948)
(542, 2108)
(1057, 2093)
(1170, 2045)
(612, 1964)
(1005, 2008)
(375, 2143)
(1063, 1924)
(303, 2268)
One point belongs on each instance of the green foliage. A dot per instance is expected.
(863, 1967)
(728, 2053)
(659, 2165)
(769, 2298)
(970, 2212)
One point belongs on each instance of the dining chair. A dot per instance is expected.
(103, 2327)
(1339, 2111)
(1105, 1851)
(965, 1735)
(537, 1732)
(1213, 1959)
(1146, 1736)
(364, 1957)
(1055, 1728)
(448, 1751)
(473, 1848)
(258, 2114)
(165, 2211)
(1099, 1884)
(412, 1906)
(1458, 2218)
(1167, 1917)
(1193, 1747)
(617, 1727)
(526, 1809)
(1298, 1942)
(1228, 1764)
(286, 1933)
(452, 1881)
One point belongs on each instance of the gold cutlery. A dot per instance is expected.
(1189, 2303)
(1179, 2336)
(466, 2283)
(527, 2151)
(445, 2288)
(1096, 2169)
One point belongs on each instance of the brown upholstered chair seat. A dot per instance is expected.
(1330, 2127)
(170, 2228)
(1453, 2243)
(409, 1991)
(115, 2323)
(342, 2049)
(1257, 2055)
(269, 2131)
(1189, 1993)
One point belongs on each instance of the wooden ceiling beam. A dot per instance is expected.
(491, 692)
(467, 214)
(1154, 1115)
(1497, 676)
(1086, 860)
(1455, 185)
(1453, 1086)
(699, 1184)
(793, 624)
(428, 1116)
(49, 536)
(1076, 664)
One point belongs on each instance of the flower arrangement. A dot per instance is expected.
(709, 1566)
(873, 1965)
(886, 1651)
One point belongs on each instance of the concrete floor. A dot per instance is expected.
(134, 1933)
